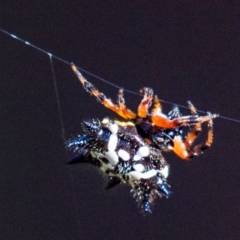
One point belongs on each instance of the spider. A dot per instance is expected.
(164, 132)
(130, 151)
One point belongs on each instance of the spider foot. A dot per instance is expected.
(174, 113)
(146, 102)
(192, 108)
(208, 118)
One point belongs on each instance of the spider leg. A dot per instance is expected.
(121, 104)
(174, 113)
(197, 150)
(145, 103)
(157, 107)
(120, 99)
(89, 87)
(183, 149)
(197, 128)
(192, 135)
(163, 121)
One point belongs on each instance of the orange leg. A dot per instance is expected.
(197, 128)
(164, 122)
(157, 107)
(184, 151)
(121, 110)
(122, 106)
(192, 135)
(145, 103)
(121, 100)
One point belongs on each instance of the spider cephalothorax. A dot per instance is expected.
(130, 151)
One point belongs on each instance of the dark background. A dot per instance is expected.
(182, 49)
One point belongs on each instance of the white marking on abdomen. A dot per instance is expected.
(149, 174)
(138, 167)
(112, 157)
(165, 171)
(113, 128)
(143, 151)
(112, 142)
(123, 154)
(134, 175)
(136, 157)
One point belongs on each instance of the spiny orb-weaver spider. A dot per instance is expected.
(130, 151)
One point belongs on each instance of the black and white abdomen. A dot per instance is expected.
(120, 152)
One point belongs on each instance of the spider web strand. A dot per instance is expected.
(58, 101)
(97, 77)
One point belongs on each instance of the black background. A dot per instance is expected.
(184, 50)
